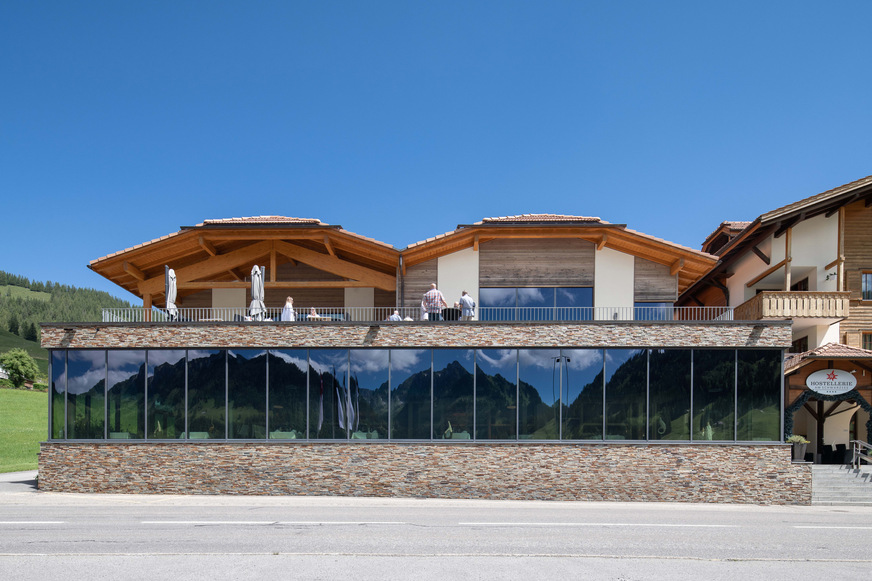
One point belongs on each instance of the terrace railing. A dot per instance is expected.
(380, 314)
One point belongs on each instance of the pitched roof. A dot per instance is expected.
(816, 199)
(538, 218)
(263, 220)
(825, 351)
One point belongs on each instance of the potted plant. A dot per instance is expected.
(799, 445)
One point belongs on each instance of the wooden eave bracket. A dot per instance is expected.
(761, 255)
(676, 266)
(133, 271)
(601, 243)
(329, 246)
(766, 273)
(208, 247)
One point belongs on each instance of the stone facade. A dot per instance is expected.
(567, 335)
(757, 474)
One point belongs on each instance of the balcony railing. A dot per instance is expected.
(381, 314)
(794, 304)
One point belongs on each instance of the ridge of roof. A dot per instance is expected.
(811, 200)
(826, 351)
(523, 218)
(262, 220)
(737, 225)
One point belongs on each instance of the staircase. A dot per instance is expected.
(833, 484)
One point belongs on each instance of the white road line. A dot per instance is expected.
(339, 522)
(589, 524)
(271, 522)
(32, 522)
(832, 527)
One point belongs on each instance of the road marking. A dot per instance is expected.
(270, 522)
(32, 522)
(589, 524)
(341, 522)
(832, 527)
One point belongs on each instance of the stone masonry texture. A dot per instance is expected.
(415, 334)
(756, 474)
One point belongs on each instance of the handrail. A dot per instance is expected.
(383, 314)
(859, 447)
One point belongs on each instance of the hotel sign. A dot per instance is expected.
(831, 381)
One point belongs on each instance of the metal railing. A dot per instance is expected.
(862, 452)
(375, 314)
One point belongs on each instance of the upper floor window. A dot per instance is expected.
(800, 345)
(536, 304)
(867, 286)
(652, 311)
(867, 341)
(801, 285)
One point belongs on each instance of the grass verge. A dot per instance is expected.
(23, 425)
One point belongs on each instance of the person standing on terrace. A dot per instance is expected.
(434, 302)
(288, 313)
(468, 306)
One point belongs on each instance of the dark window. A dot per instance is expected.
(800, 286)
(800, 345)
(538, 387)
(626, 385)
(496, 394)
(410, 394)
(86, 382)
(369, 388)
(126, 402)
(582, 392)
(867, 341)
(58, 392)
(669, 384)
(328, 395)
(246, 394)
(866, 279)
(758, 381)
(207, 393)
(714, 389)
(287, 394)
(166, 393)
(453, 393)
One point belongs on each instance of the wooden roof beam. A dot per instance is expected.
(329, 246)
(337, 266)
(208, 247)
(133, 271)
(766, 273)
(602, 242)
(205, 285)
(761, 255)
(676, 266)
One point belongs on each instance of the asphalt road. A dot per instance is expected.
(79, 536)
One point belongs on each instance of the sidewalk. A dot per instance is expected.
(18, 481)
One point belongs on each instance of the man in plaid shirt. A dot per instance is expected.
(433, 303)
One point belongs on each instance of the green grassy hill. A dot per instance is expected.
(18, 292)
(9, 341)
(23, 425)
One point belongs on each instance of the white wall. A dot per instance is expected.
(458, 272)
(613, 282)
(364, 301)
(223, 298)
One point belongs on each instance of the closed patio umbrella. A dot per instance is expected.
(171, 291)
(257, 310)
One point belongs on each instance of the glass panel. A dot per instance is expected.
(497, 304)
(669, 384)
(369, 388)
(453, 393)
(166, 394)
(759, 385)
(327, 393)
(58, 392)
(574, 304)
(538, 385)
(86, 383)
(207, 393)
(583, 389)
(496, 394)
(126, 394)
(536, 304)
(652, 312)
(246, 394)
(287, 394)
(714, 380)
(626, 386)
(410, 394)
(867, 286)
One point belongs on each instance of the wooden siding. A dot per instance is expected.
(652, 282)
(858, 258)
(418, 280)
(385, 298)
(536, 262)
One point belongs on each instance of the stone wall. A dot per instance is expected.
(758, 474)
(416, 334)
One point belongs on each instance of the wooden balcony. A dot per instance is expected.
(793, 305)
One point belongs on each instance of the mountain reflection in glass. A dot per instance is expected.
(759, 389)
(453, 393)
(126, 394)
(582, 378)
(496, 392)
(58, 392)
(86, 381)
(246, 394)
(669, 385)
(369, 393)
(410, 394)
(538, 390)
(328, 396)
(166, 393)
(287, 393)
(714, 388)
(626, 385)
(206, 394)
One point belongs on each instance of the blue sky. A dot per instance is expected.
(122, 121)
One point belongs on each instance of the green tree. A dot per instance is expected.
(29, 333)
(13, 324)
(19, 365)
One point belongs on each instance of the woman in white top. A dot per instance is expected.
(288, 310)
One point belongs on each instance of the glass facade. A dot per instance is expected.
(536, 304)
(418, 394)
